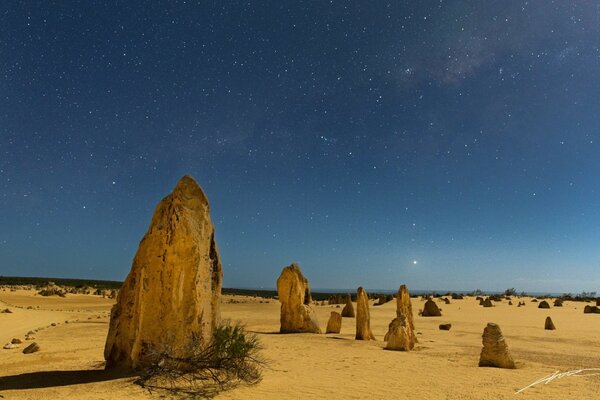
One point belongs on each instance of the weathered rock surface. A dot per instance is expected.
(6, 311)
(543, 304)
(16, 341)
(348, 310)
(296, 315)
(430, 309)
(445, 327)
(363, 318)
(495, 350)
(9, 346)
(334, 325)
(32, 348)
(549, 325)
(172, 293)
(487, 302)
(399, 335)
(404, 308)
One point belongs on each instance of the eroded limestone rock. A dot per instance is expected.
(296, 315)
(430, 309)
(172, 293)
(495, 350)
(399, 336)
(348, 310)
(334, 325)
(363, 318)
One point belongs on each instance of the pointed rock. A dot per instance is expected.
(543, 304)
(399, 335)
(549, 325)
(172, 293)
(495, 350)
(334, 325)
(404, 308)
(430, 309)
(363, 318)
(348, 310)
(296, 315)
(558, 303)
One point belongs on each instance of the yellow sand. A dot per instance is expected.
(308, 366)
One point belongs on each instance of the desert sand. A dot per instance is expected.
(443, 365)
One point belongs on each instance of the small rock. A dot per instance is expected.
(16, 341)
(6, 311)
(558, 303)
(445, 327)
(591, 310)
(430, 309)
(549, 325)
(334, 325)
(53, 324)
(348, 310)
(544, 304)
(32, 348)
(9, 346)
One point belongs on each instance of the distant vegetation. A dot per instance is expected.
(40, 281)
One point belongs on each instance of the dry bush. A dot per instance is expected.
(232, 357)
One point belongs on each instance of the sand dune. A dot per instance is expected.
(308, 366)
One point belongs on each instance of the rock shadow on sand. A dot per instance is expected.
(48, 379)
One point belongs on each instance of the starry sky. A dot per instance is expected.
(442, 144)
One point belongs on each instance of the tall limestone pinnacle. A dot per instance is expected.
(173, 290)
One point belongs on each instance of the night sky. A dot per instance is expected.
(442, 144)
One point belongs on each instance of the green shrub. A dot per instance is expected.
(230, 358)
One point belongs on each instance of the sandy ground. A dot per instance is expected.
(308, 366)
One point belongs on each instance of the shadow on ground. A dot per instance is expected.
(46, 379)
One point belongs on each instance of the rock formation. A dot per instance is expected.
(591, 310)
(549, 325)
(430, 309)
(32, 348)
(348, 310)
(487, 302)
(445, 327)
(399, 336)
(296, 315)
(495, 351)
(363, 319)
(334, 325)
(543, 304)
(558, 303)
(170, 300)
(404, 309)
